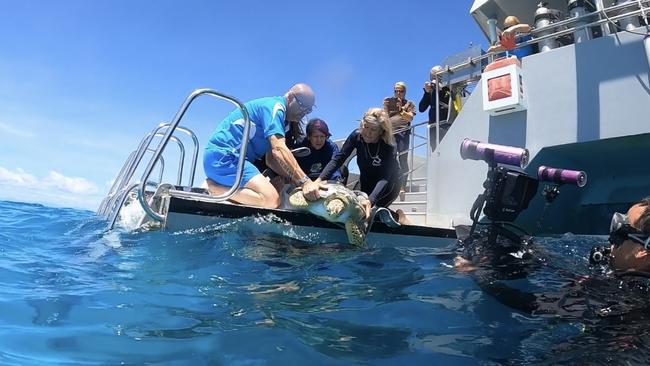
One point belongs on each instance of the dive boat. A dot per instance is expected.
(180, 207)
(580, 103)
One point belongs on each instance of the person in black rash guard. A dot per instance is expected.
(376, 158)
(322, 150)
(429, 101)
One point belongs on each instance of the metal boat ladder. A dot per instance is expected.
(124, 186)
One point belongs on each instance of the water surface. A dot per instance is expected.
(73, 293)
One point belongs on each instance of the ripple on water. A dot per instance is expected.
(73, 293)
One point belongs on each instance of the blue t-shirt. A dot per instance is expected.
(317, 160)
(522, 52)
(267, 119)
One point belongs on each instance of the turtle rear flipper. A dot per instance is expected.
(356, 235)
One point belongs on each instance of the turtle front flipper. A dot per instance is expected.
(335, 207)
(356, 235)
(297, 199)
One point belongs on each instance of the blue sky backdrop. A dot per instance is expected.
(81, 82)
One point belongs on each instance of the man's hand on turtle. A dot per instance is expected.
(311, 189)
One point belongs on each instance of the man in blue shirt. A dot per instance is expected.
(268, 117)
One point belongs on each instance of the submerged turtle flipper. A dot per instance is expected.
(356, 235)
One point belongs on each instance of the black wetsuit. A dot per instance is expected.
(314, 163)
(429, 101)
(378, 166)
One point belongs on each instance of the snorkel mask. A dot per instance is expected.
(620, 230)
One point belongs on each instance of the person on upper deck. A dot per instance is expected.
(376, 158)
(629, 236)
(429, 101)
(514, 33)
(400, 113)
(268, 118)
(322, 150)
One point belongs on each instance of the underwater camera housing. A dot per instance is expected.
(507, 191)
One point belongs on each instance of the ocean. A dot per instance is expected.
(73, 293)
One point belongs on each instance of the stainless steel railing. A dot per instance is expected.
(114, 201)
(128, 169)
(605, 15)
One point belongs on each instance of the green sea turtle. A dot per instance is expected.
(337, 204)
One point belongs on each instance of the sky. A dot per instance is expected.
(82, 82)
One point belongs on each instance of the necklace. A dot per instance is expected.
(376, 160)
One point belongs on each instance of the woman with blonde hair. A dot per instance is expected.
(376, 158)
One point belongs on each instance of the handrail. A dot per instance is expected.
(129, 167)
(115, 212)
(116, 182)
(172, 126)
(181, 159)
(601, 12)
(411, 148)
(571, 30)
(139, 154)
(110, 199)
(195, 154)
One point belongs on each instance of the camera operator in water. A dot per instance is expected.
(630, 239)
(268, 118)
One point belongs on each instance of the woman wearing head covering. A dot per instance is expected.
(322, 150)
(376, 158)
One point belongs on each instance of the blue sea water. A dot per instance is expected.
(72, 293)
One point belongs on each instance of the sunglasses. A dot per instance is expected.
(303, 107)
(400, 91)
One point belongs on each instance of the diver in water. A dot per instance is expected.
(629, 238)
(626, 255)
(517, 272)
(599, 314)
(596, 295)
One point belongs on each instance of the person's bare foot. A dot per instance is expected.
(401, 217)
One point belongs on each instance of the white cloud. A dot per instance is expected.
(70, 184)
(11, 130)
(54, 189)
(54, 180)
(18, 177)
